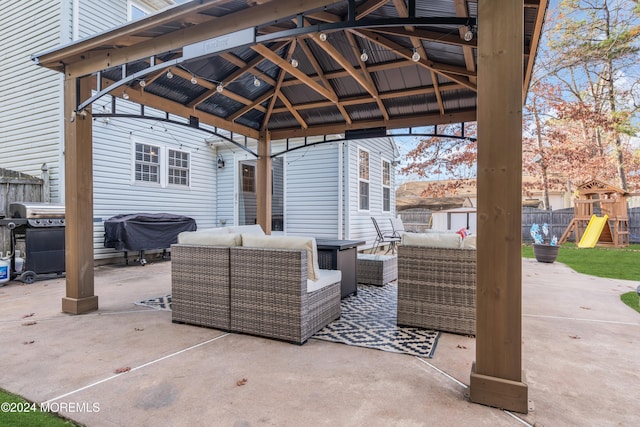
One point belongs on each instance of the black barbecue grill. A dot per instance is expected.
(41, 227)
(145, 231)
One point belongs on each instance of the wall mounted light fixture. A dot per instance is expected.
(220, 161)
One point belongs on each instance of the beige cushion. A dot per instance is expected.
(325, 278)
(247, 229)
(287, 242)
(209, 239)
(469, 242)
(432, 240)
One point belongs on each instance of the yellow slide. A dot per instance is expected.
(592, 233)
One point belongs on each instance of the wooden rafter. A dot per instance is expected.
(419, 48)
(248, 67)
(369, 7)
(145, 98)
(462, 11)
(286, 66)
(430, 36)
(363, 67)
(452, 73)
(254, 105)
(316, 66)
(277, 89)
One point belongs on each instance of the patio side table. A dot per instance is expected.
(377, 269)
(335, 254)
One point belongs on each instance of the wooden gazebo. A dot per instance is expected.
(598, 198)
(276, 69)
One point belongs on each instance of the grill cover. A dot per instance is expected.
(145, 231)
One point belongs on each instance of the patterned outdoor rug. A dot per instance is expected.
(160, 303)
(368, 319)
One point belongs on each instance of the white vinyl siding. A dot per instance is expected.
(114, 191)
(359, 225)
(311, 191)
(95, 16)
(31, 96)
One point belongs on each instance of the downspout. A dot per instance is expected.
(347, 191)
(340, 190)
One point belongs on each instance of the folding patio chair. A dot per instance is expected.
(397, 227)
(382, 239)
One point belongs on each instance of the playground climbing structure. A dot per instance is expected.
(602, 200)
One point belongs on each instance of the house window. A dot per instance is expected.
(147, 167)
(248, 179)
(363, 179)
(386, 186)
(178, 167)
(136, 11)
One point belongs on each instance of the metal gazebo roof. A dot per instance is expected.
(296, 68)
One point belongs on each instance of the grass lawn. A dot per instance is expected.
(632, 300)
(17, 412)
(622, 263)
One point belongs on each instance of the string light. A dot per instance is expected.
(220, 87)
(323, 37)
(143, 83)
(256, 82)
(468, 36)
(194, 81)
(294, 62)
(125, 95)
(364, 56)
(169, 74)
(416, 56)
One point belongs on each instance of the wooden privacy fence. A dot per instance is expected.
(19, 187)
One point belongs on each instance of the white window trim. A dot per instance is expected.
(142, 7)
(136, 183)
(163, 163)
(368, 181)
(189, 168)
(383, 185)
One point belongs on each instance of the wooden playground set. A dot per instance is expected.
(600, 216)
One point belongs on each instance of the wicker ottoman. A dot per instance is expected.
(377, 269)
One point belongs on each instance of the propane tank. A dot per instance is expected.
(5, 271)
(19, 262)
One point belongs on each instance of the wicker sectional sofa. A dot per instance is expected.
(271, 288)
(437, 283)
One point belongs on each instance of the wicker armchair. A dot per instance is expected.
(200, 285)
(437, 288)
(269, 295)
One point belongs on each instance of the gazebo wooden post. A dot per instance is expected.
(497, 378)
(264, 178)
(78, 199)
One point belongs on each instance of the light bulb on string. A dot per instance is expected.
(294, 62)
(220, 87)
(169, 74)
(468, 36)
(194, 81)
(143, 83)
(416, 56)
(125, 95)
(323, 37)
(364, 56)
(256, 82)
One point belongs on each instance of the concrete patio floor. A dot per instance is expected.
(580, 356)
